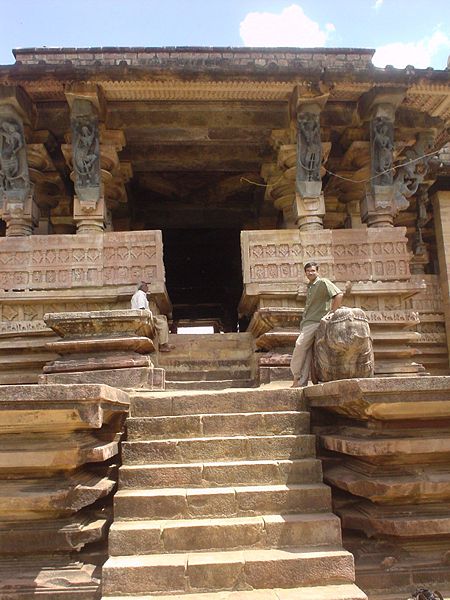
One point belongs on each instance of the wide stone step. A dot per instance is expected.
(269, 531)
(239, 501)
(218, 448)
(172, 362)
(151, 404)
(277, 423)
(228, 570)
(306, 470)
(214, 384)
(212, 346)
(345, 591)
(196, 373)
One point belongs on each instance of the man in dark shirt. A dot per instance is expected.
(322, 298)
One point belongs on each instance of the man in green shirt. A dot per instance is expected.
(322, 298)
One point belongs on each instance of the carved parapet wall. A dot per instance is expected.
(387, 445)
(371, 265)
(68, 273)
(58, 462)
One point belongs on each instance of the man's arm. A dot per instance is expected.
(336, 302)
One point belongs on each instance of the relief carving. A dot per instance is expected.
(382, 139)
(412, 174)
(14, 179)
(86, 157)
(309, 155)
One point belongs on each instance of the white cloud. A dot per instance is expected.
(378, 4)
(291, 27)
(420, 54)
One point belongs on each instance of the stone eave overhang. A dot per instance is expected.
(283, 64)
(201, 74)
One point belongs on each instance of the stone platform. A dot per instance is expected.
(111, 347)
(386, 445)
(59, 449)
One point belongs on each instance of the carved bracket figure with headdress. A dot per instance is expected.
(412, 173)
(382, 150)
(13, 166)
(310, 148)
(86, 153)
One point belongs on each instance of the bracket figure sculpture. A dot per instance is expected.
(382, 150)
(343, 346)
(14, 181)
(17, 206)
(86, 157)
(413, 172)
(309, 157)
(309, 204)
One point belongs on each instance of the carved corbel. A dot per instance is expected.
(17, 206)
(309, 204)
(413, 169)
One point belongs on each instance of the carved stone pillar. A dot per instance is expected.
(378, 206)
(89, 208)
(98, 174)
(309, 204)
(17, 206)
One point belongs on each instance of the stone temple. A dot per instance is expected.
(215, 174)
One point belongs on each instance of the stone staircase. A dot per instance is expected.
(221, 496)
(213, 361)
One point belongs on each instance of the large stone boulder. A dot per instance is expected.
(343, 346)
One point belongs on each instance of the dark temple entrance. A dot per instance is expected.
(203, 274)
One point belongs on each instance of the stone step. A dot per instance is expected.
(150, 404)
(219, 344)
(175, 363)
(306, 470)
(233, 533)
(345, 591)
(263, 423)
(195, 373)
(214, 384)
(237, 501)
(181, 450)
(227, 570)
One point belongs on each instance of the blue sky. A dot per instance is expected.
(402, 31)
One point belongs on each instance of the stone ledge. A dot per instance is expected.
(384, 398)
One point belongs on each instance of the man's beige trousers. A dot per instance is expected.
(162, 328)
(302, 355)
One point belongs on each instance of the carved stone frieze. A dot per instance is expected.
(88, 261)
(354, 255)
